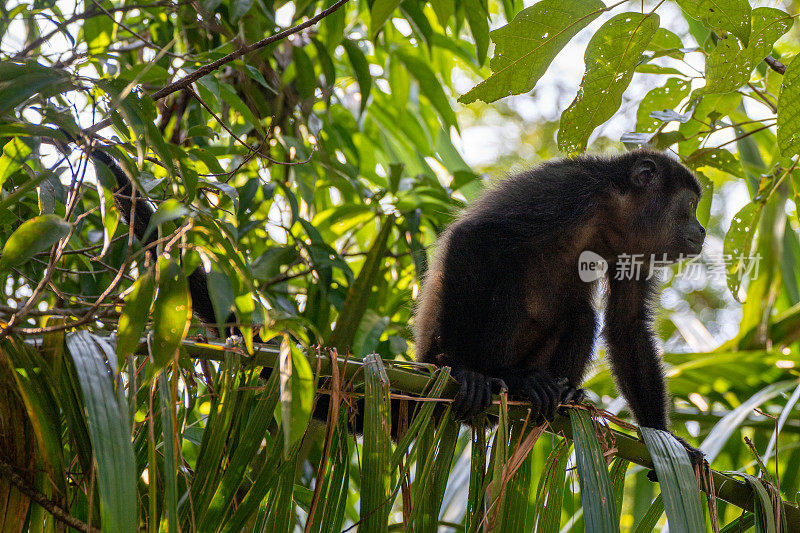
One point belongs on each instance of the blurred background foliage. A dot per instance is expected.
(310, 176)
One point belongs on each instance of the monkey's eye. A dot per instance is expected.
(693, 205)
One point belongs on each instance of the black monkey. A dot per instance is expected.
(503, 301)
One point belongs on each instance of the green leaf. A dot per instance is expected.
(597, 495)
(15, 153)
(172, 312)
(788, 111)
(304, 70)
(21, 81)
(738, 244)
(665, 43)
(550, 491)
(526, 46)
(297, 392)
(361, 69)
(478, 20)
(222, 298)
(682, 500)
(431, 87)
(724, 15)
(355, 304)
(648, 522)
(729, 66)
(763, 508)
(170, 210)
(109, 431)
(31, 237)
(611, 56)
(659, 99)
(379, 13)
(376, 460)
(134, 315)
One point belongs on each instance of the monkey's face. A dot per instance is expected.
(667, 195)
(687, 234)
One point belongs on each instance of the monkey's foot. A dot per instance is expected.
(474, 395)
(572, 395)
(544, 391)
(696, 457)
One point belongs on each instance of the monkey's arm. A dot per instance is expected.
(633, 352)
(634, 355)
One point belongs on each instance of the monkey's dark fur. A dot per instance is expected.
(502, 302)
(503, 299)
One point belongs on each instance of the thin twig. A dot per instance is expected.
(242, 50)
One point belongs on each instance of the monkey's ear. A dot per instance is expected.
(643, 173)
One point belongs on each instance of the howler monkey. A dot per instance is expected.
(504, 302)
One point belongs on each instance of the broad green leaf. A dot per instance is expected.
(444, 9)
(611, 56)
(738, 244)
(172, 209)
(597, 495)
(172, 312)
(666, 43)
(297, 392)
(31, 237)
(361, 70)
(377, 451)
(676, 476)
(788, 111)
(722, 15)
(729, 66)
(304, 70)
(107, 420)
(134, 315)
(15, 152)
(659, 99)
(526, 46)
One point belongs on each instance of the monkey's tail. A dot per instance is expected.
(133, 206)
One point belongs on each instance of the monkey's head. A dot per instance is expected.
(661, 197)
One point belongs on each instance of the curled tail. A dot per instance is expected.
(133, 206)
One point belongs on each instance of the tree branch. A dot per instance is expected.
(412, 378)
(7, 471)
(242, 50)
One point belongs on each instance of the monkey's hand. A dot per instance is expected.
(474, 395)
(696, 457)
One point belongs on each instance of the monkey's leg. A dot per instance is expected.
(478, 315)
(571, 355)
